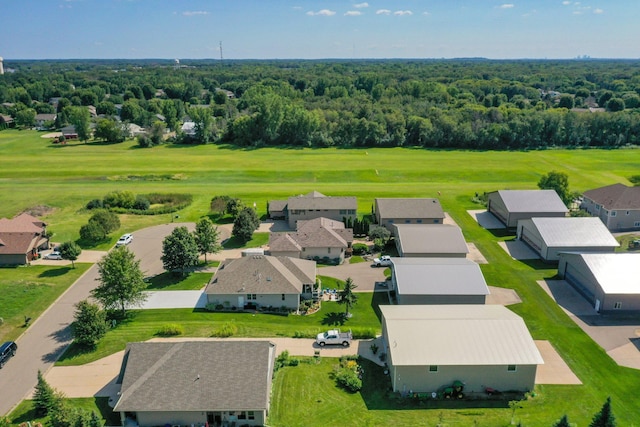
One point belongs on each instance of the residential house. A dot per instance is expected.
(43, 119)
(320, 239)
(21, 238)
(617, 205)
(408, 211)
(438, 281)
(609, 281)
(69, 132)
(6, 121)
(314, 205)
(430, 240)
(262, 281)
(550, 236)
(203, 383)
(510, 206)
(429, 347)
(189, 128)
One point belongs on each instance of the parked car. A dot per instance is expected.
(383, 261)
(124, 240)
(7, 351)
(53, 255)
(334, 336)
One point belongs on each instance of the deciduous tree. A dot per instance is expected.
(179, 250)
(245, 224)
(558, 181)
(89, 325)
(207, 237)
(70, 251)
(79, 117)
(121, 281)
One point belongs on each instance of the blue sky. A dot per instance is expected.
(280, 29)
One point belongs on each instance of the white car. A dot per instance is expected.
(383, 261)
(124, 240)
(53, 255)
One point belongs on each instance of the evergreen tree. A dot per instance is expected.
(564, 422)
(605, 417)
(43, 396)
(347, 296)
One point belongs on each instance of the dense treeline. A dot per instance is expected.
(473, 104)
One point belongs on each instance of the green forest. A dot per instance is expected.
(472, 104)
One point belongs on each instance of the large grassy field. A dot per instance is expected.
(65, 178)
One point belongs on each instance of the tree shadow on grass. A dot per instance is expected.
(234, 242)
(164, 280)
(55, 272)
(333, 319)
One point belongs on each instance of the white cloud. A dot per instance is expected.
(297, 7)
(353, 13)
(323, 12)
(402, 12)
(426, 13)
(361, 5)
(194, 12)
(566, 2)
(507, 6)
(383, 12)
(598, 11)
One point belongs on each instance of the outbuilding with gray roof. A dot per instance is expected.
(438, 281)
(430, 240)
(548, 237)
(408, 211)
(609, 281)
(429, 347)
(511, 206)
(196, 383)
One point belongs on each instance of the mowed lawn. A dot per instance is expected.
(72, 175)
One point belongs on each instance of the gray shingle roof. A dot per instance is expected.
(420, 335)
(558, 232)
(277, 205)
(196, 376)
(262, 274)
(532, 201)
(438, 276)
(431, 238)
(409, 208)
(616, 196)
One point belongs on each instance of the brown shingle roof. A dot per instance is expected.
(314, 233)
(316, 200)
(18, 243)
(196, 376)
(409, 208)
(262, 274)
(616, 196)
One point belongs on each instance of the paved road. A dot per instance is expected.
(48, 336)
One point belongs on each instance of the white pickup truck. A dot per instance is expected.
(383, 261)
(334, 336)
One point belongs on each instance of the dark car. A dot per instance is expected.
(7, 351)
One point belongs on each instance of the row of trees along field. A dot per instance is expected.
(471, 104)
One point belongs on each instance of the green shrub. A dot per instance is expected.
(360, 249)
(226, 330)
(294, 361)
(170, 330)
(141, 203)
(95, 204)
(282, 360)
(378, 245)
(348, 379)
(119, 199)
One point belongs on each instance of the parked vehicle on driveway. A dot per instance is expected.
(124, 240)
(53, 255)
(334, 336)
(7, 351)
(383, 261)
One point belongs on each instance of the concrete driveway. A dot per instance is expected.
(517, 249)
(364, 275)
(486, 219)
(618, 336)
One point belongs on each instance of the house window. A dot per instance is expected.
(282, 297)
(636, 224)
(419, 221)
(352, 211)
(242, 415)
(343, 211)
(304, 249)
(407, 221)
(390, 221)
(436, 221)
(251, 297)
(328, 250)
(251, 415)
(433, 368)
(617, 305)
(511, 368)
(628, 213)
(597, 207)
(614, 213)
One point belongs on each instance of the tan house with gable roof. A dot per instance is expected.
(198, 383)
(311, 206)
(21, 238)
(617, 205)
(262, 281)
(316, 239)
